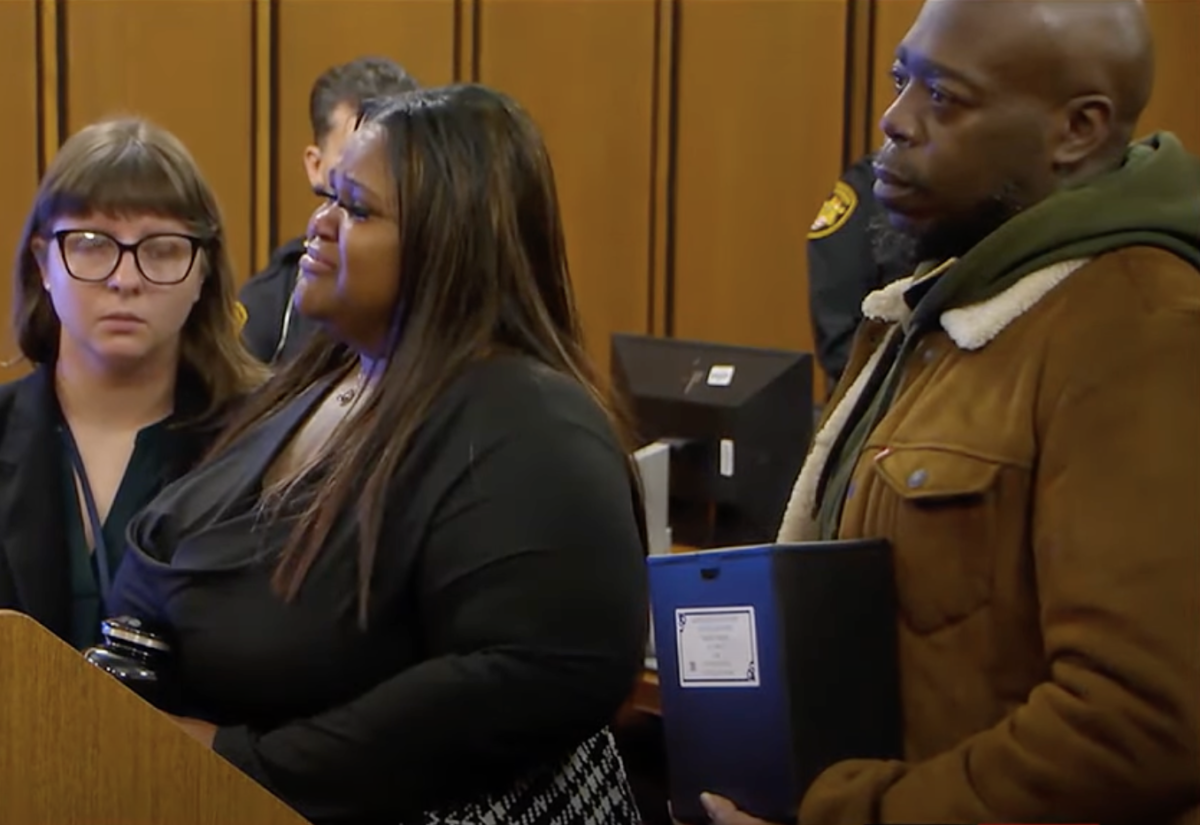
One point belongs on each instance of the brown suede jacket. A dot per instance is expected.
(1038, 476)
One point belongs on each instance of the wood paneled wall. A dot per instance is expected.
(189, 66)
(693, 140)
(20, 142)
(760, 93)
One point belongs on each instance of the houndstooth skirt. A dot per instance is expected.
(587, 788)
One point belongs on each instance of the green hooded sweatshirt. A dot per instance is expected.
(1152, 199)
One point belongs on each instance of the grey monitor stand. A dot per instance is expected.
(654, 466)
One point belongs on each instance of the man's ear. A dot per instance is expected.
(312, 165)
(1087, 129)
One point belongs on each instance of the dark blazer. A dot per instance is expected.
(507, 610)
(34, 562)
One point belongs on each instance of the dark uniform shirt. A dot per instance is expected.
(274, 331)
(842, 266)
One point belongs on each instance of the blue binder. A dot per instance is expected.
(774, 662)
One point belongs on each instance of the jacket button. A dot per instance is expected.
(916, 478)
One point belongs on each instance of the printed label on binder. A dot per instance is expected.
(717, 647)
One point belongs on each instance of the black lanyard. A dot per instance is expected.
(99, 548)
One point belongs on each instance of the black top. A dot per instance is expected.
(45, 570)
(267, 299)
(842, 265)
(142, 481)
(507, 621)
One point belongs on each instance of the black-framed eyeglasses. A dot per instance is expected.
(164, 258)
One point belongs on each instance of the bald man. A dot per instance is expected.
(1021, 420)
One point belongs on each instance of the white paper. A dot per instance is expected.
(717, 647)
(720, 375)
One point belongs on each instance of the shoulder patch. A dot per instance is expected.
(836, 210)
(240, 315)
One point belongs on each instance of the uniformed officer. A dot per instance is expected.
(845, 264)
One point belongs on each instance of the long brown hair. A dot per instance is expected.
(129, 166)
(483, 269)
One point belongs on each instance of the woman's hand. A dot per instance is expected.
(202, 732)
(723, 812)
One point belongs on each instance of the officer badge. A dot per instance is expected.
(836, 210)
(240, 315)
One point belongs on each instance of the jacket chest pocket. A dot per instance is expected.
(938, 508)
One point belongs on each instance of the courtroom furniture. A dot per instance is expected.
(79, 748)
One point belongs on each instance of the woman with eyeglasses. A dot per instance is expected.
(124, 305)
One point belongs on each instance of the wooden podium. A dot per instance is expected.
(79, 748)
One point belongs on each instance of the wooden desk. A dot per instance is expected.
(645, 694)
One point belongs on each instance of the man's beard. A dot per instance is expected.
(898, 252)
